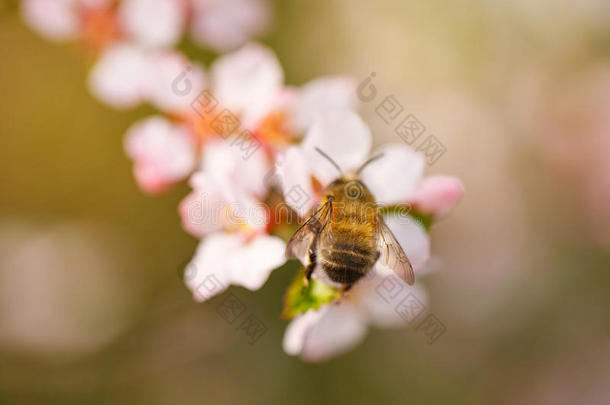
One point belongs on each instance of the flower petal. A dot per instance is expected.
(208, 273)
(392, 178)
(153, 23)
(412, 237)
(319, 335)
(323, 94)
(293, 176)
(119, 76)
(298, 328)
(163, 153)
(224, 25)
(254, 261)
(222, 259)
(237, 163)
(437, 195)
(56, 20)
(199, 211)
(343, 136)
(246, 77)
(173, 83)
(216, 205)
(389, 301)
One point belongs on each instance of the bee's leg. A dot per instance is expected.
(310, 266)
(313, 257)
(309, 271)
(345, 288)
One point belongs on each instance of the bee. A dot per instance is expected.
(346, 235)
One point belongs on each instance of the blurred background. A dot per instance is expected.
(93, 308)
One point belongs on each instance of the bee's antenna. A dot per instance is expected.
(371, 160)
(321, 152)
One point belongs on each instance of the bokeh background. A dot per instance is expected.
(92, 305)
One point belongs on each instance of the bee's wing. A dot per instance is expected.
(299, 243)
(391, 253)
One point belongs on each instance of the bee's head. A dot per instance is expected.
(352, 175)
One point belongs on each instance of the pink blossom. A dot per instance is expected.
(119, 76)
(227, 192)
(334, 329)
(437, 194)
(163, 153)
(153, 23)
(56, 20)
(223, 25)
(225, 209)
(161, 78)
(396, 178)
(246, 78)
(223, 259)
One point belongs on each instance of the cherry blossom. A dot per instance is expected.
(250, 83)
(225, 209)
(223, 25)
(149, 23)
(163, 153)
(243, 138)
(335, 328)
(246, 84)
(396, 178)
(55, 20)
(224, 259)
(117, 78)
(380, 299)
(153, 23)
(132, 40)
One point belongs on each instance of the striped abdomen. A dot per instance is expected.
(348, 251)
(347, 248)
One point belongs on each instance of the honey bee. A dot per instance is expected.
(346, 235)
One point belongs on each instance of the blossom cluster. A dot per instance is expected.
(247, 143)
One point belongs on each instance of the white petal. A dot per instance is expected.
(217, 205)
(343, 136)
(389, 301)
(223, 259)
(247, 211)
(297, 330)
(437, 194)
(200, 211)
(208, 273)
(238, 162)
(224, 25)
(412, 237)
(163, 153)
(293, 176)
(55, 20)
(153, 23)
(254, 261)
(393, 178)
(173, 83)
(248, 76)
(339, 329)
(119, 76)
(323, 94)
